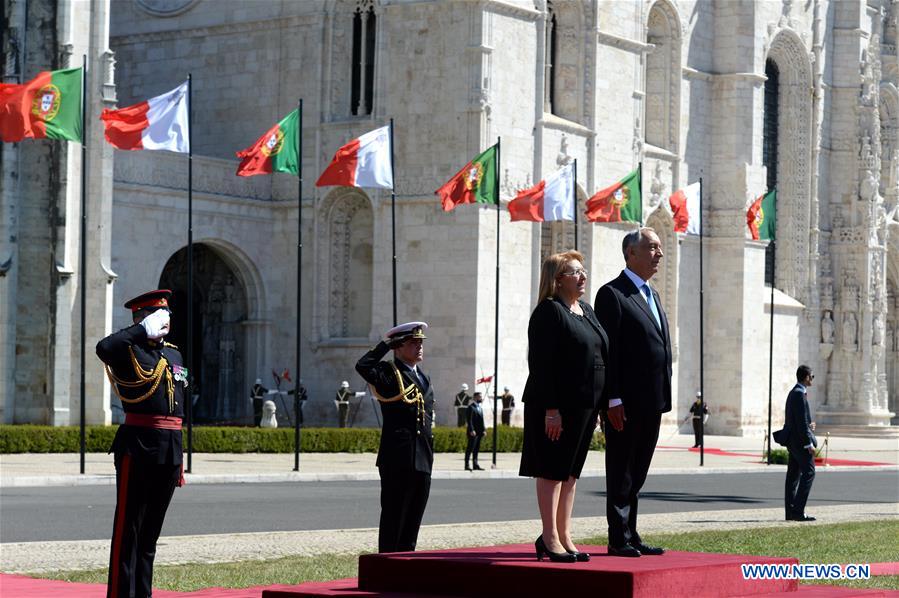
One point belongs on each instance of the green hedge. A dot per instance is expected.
(209, 439)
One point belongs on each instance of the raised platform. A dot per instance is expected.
(512, 570)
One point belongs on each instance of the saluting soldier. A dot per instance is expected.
(461, 405)
(406, 453)
(149, 377)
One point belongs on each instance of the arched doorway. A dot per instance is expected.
(219, 344)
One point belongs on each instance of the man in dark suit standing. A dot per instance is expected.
(476, 431)
(406, 454)
(638, 379)
(801, 443)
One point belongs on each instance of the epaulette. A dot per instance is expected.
(168, 344)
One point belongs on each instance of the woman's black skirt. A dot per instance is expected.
(560, 459)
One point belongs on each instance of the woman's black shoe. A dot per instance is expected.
(581, 557)
(555, 557)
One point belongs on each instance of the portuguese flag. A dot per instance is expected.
(475, 183)
(762, 217)
(275, 151)
(621, 202)
(47, 107)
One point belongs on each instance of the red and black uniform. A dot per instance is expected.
(149, 377)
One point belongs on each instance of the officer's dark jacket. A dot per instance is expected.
(406, 439)
(119, 351)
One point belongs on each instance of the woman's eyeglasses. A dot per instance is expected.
(578, 272)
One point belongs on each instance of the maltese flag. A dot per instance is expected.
(686, 209)
(550, 199)
(363, 162)
(159, 123)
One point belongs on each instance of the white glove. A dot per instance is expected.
(157, 324)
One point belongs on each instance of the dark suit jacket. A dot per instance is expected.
(564, 371)
(475, 419)
(639, 367)
(406, 443)
(797, 418)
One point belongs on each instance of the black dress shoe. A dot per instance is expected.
(581, 557)
(623, 550)
(647, 549)
(478, 468)
(467, 468)
(555, 557)
(800, 518)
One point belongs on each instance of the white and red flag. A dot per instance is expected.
(550, 199)
(159, 123)
(363, 162)
(687, 209)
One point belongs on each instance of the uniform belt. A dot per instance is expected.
(160, 422)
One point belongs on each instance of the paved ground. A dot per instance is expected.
(673, 458)
(86, 513)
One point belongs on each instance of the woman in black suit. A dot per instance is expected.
(567, 350)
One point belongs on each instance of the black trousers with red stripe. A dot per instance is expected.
(143, 494)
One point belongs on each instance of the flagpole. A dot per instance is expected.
(640, 182)
(575, 204)
(771, 343)
(496, 163)
(393, 218)
(83, 265)
(701, 340)
(190, 276)
(297, 407)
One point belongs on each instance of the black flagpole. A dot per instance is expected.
(83, 265)
(393, 218)
(297, 385)
(496, 301)
(701, 341)
(190, 277)
(575, 204)
(771, 343)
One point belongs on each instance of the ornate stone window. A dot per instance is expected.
(348, 273)
(662, 103)
(363, 58)
(563, 59)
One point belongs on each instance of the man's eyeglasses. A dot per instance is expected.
(579, 272)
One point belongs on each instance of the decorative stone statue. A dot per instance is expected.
(268, 415)
(656, 188)
(878, 330)
(850, 329)
(827, 327)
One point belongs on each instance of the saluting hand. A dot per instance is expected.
(156, 324)
(553, 423)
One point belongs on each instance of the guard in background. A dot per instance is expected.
(149, 378)
(461, 405)
(342, 401)
(700, 413)
(508, 406)
(406, 453)
(476, 431)
(257, 396)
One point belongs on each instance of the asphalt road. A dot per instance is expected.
(85, 513)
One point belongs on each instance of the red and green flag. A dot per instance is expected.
(47, 107)
(762, 217)
(475, 183)
(275, 151)
(621, 202)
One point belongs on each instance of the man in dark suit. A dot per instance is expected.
(149, 377)
(476, 431)
(801, 443)
(406, 454)
(638, 379)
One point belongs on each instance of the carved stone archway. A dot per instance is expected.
(793, 163)
(663, 77)
(218, 367)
